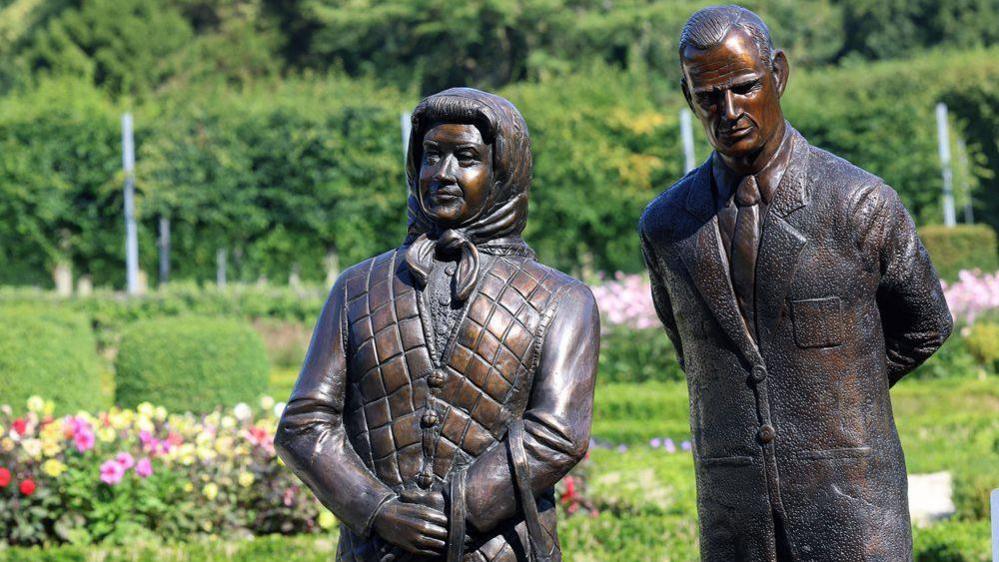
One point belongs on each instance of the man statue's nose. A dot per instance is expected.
(728, 103)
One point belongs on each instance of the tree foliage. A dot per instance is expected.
(271, 129)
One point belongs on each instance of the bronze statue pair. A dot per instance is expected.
(449, 384)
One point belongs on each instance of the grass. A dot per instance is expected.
(282, 382)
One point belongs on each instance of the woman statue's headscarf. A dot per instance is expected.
(496, 228)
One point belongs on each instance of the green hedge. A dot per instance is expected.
(50, 353)
(983, 344)
(965, 246)
(191, 363)
(629, 355)
(211, 159)
(953, 541)
(110, 313)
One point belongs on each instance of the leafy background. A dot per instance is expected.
(272, 129)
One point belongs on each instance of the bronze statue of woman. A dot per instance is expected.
(449, 383)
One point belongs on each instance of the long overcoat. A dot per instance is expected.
(796, 425)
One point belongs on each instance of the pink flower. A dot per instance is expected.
(125, 460)
(144, 468)
(627, 300)
(112, 472)
(84, 439)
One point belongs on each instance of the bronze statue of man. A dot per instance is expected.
(796, 292)
(449, 383)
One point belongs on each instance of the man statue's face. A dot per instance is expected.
(455, 174)
(736, 95)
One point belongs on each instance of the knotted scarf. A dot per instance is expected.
(496, 230)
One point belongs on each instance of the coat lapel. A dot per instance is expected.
(781, 243)
(704, 258)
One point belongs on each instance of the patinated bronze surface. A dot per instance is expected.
(449, 384)
(796, 292)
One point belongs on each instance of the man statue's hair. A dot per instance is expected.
(708, 27)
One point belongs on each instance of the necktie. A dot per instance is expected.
(745, 243)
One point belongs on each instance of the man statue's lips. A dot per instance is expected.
(735, 133)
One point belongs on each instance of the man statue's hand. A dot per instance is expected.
(412, 527)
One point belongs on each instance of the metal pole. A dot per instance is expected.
(164, 250)
(943, 139)
(131, 233)
(962, 150)
(995, 525)
(220, 272)
(687, 133)
(407, 124)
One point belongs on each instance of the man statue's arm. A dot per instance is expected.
(914, 314)
(661, 300)
(311, 438)
(557, 419)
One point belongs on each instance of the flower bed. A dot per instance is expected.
(127, 474)
(627, 299)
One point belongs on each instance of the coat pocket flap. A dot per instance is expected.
(825, 454)
(817, 322)
(726, 461)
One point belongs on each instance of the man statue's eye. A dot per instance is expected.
(743, 89)
(431, 157)
(466, 156)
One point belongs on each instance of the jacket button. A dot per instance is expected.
(759, 373)
(766, 433)
(429, 419)
(436, 379)
(424, 479)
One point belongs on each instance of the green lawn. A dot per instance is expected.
(282, 381)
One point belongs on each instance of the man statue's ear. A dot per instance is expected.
(781, 71)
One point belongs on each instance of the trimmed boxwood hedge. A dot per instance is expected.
(51, 353)
(983, 344)
(630, 355)
(190, 364)
(965, 246)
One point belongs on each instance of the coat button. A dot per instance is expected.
(424, 479)
(450, 269)
(759, 373)
(766, 433)
(429, 419)
(436, 379)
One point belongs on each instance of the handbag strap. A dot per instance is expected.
(456, 517)
(540, 546)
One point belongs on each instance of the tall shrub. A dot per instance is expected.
(965, 246)
(49, 353)
(190, 364)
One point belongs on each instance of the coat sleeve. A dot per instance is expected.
(557, 419)
(311, 438)
(661, 300)
(914, 314)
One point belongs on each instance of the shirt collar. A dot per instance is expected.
(768, 179)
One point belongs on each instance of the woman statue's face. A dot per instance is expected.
(456, 173)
